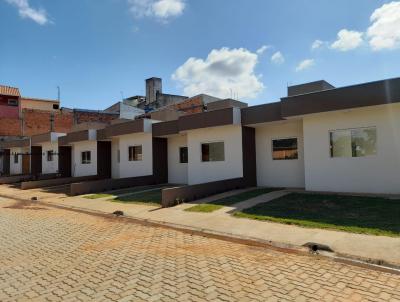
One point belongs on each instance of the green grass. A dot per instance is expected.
(226, 201)
(97, 196)
(150, 198)
(205, 208)
(355, 214)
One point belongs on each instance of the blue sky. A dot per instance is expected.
(94, 50)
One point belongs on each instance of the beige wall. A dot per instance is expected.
(37, 104)
(232, 167)
(279, 173)
(371, 174)
(177, 172)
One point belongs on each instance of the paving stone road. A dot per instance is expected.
(49, 254)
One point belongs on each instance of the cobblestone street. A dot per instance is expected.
(49, 254)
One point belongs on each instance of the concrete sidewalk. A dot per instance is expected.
(221, 222)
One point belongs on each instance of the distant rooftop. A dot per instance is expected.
(309, 87)
(11, 91)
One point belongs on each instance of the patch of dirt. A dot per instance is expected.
(24, 205)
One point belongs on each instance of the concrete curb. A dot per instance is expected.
(368, 263)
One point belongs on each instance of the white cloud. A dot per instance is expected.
(224, 70)
(384, 33)
(277, 58)
(347, 40)
(262, 49)
(26, 11)
(317, 44)
(160, 9)
(305, 64)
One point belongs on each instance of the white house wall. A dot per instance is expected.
(371, 174)
(79, 169)
(232, 167)
(279, 173)
(177, 172)
(15, 168)
(136, 168)
(49, 167)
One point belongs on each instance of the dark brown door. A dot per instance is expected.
(6, 162)
(26, 165)
(36, 163)
(160, 159)
(104, 159)
(64, 161)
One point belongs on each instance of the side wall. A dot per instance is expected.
(136, 168)
(202, 172)
(49, 167)
(372, 174)
(177, 172)
(15, 169)
(79, 169)
(279, 173)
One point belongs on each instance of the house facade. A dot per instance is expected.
(319, 137)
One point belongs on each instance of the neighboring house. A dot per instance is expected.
(39, 104)
(44, 149)
(9, 102)
(16, 156)
(80, 154)
(133, 148)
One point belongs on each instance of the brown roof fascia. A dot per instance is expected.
(207, 119)
(41, 138)
(135, 126)
(73, 137)
(264, 113)
(165, 128)
(18, 143)
(356, 96)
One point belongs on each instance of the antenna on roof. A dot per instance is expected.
(58, 93)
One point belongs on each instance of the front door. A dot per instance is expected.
(104, 159)
(36, 162)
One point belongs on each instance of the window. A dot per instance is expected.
(183, 155)
(12, 102)
(212, 152)
(285, 148)
(50, 155)
(135, 153)
(353, 142)
(56, 106)
(86, 157)
(15, 158)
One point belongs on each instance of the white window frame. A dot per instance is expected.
(350, 129)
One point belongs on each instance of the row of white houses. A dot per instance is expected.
(333, 139)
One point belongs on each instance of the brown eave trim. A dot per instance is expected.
(264, 113)
(41, 138)
(135, 126)
(20, 143)
(165, 128)
(73, 137)
(356, 96)
(215, 118)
